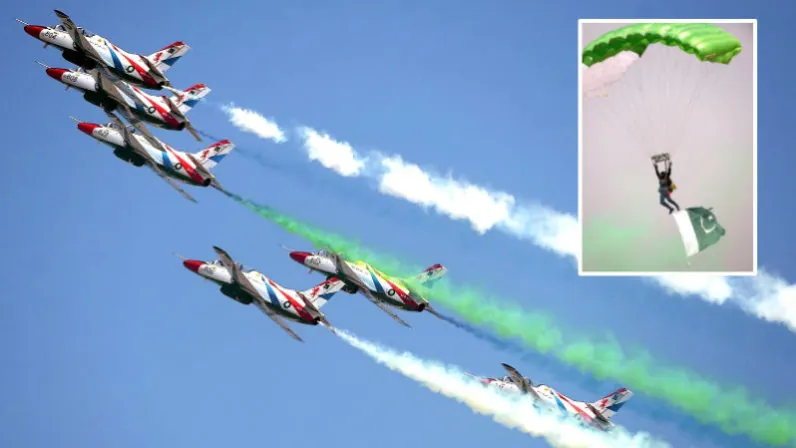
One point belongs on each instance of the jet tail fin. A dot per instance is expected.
(188, 98)
(611, 403)
(430, 275)
(323, 292)
(165, 58)
(213, 154)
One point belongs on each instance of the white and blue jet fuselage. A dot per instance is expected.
(87, 50)
(596, 414)
(249, 286)
(180, 165)
(378, 287)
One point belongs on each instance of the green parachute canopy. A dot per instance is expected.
(705, 41)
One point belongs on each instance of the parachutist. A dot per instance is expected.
(665, 184)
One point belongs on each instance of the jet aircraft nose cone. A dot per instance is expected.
(34, 30)
(193, 265)
(56, 73)
(299, 257)
(87, 128)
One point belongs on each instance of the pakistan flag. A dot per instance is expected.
(699, 229)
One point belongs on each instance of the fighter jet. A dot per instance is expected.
(377, 286)
(251, 286)
(113, 94)
(596, 414)
(143, 148)
(89, 50)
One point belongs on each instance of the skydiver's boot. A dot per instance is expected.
(671, 201)
(663, 203)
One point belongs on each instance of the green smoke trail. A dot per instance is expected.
(730, 408)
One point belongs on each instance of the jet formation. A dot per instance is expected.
(132, 85)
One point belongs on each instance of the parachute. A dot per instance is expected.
(663, 94)
(705, 41)
(608, 59)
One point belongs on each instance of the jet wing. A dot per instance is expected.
(434, 312)
(383, 307)
(81, 43)
(344, 270)
(138, 149)
(268, 312)
(525, 386)
(237, 275)
(111, 86)
(598, 415)
(244, 284)
(121, 92)
(176, 111)
(139, 126)
(163, 176)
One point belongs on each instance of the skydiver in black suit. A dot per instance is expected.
(665, 186)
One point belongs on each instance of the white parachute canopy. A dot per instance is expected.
(598, 78)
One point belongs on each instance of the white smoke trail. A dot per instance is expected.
(512, 412)
(251, 121)
(765, 296)
(337, 156)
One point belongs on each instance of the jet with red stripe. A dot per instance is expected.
(90, 51)
(142, 148)
(111, 94)
(596, 414)
(375, 285)
(276, 301)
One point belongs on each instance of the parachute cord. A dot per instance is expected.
(705, 73)
(661, 116)
(647, 112)
(641, 112)
(676, 124)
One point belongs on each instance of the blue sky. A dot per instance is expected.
(109, 341)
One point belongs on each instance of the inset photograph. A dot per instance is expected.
(668, 146)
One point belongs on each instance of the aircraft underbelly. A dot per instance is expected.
(181, 177)
(383, 290)
(278, 304)
(288, 315)
(393, 301)
(145, 116)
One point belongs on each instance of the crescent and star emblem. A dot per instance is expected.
(702, 224)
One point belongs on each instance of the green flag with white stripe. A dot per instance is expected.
(699, 229)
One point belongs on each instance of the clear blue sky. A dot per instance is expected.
(108, 341)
